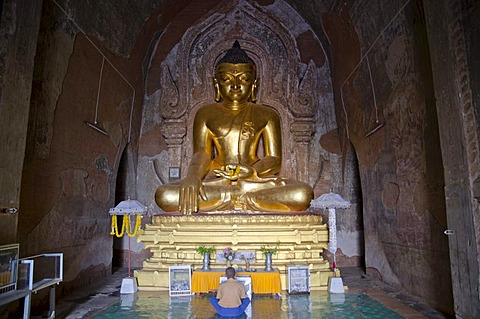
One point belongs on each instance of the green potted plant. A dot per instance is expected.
(268, 252)
(202, 250)
(205, 252)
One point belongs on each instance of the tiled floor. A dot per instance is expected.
(362, 290)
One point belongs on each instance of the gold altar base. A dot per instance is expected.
(172, 238)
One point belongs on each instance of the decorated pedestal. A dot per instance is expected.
(173, 238)
(332, 201)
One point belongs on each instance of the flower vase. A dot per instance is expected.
(247, 266)
(268, 262)
(206, 262)
(229, 263)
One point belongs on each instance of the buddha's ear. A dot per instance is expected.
(253, 95)
(217, 90)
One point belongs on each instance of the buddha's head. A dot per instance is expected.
(235, 76)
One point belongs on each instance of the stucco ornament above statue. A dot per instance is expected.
(225, 172)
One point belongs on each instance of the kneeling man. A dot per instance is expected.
(231, 300)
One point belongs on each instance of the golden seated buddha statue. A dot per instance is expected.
(225, 172)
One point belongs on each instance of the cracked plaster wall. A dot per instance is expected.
(381, 73)
(70, 172)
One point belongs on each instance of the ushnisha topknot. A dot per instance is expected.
(235, 55)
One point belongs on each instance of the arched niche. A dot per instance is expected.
(287, 84)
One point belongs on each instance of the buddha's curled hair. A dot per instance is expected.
(235, 55)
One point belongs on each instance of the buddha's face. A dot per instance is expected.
(235, 81)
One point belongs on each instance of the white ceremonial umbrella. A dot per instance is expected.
(332, 201)
(128, 207)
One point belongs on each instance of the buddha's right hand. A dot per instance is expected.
(190, 189)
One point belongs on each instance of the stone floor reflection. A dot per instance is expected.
(305, 306)
(366, 297)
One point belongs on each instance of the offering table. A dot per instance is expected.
(263, 282)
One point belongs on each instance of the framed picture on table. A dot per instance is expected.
(180, 280)
(298, 279)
